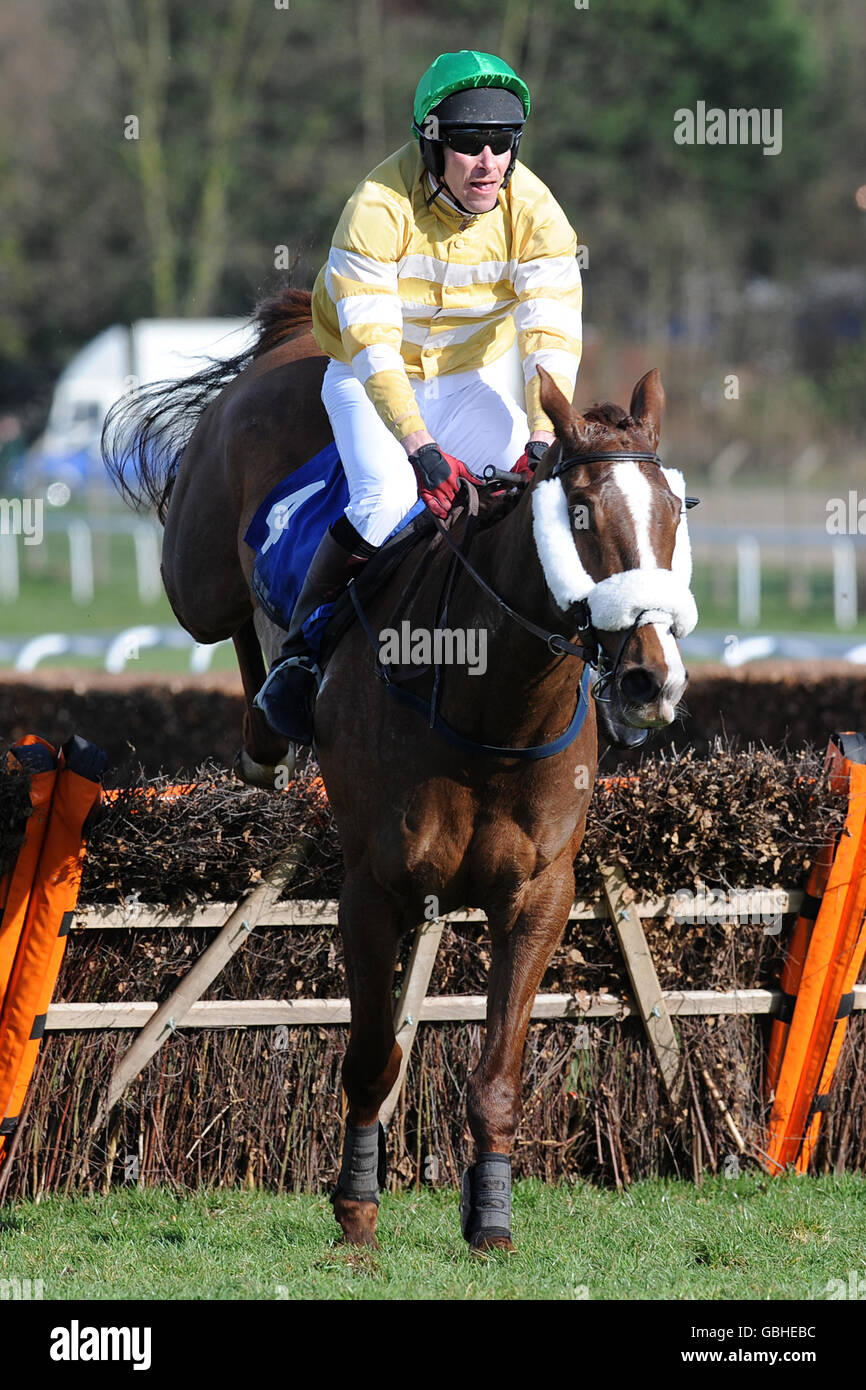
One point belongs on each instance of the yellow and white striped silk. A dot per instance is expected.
(415, 292)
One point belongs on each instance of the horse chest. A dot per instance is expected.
(470, 848)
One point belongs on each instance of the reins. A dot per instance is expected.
(555, 642)
(592, 656)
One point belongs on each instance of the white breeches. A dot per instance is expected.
(471, 415)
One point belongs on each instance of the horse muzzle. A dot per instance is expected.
(645, 684)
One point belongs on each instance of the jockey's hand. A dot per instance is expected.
(438, 477)
(531, 457)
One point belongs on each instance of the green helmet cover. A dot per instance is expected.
(455, 72)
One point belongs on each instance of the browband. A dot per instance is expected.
(619, 456)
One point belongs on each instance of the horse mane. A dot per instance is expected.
(606, 413)
(145, 434)
(283, 313)
(608, 424)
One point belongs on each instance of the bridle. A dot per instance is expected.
(606, 666)
(621, 456)
(589, 649)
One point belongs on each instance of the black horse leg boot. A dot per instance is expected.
(287, 697)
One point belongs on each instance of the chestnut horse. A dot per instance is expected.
(591, 563)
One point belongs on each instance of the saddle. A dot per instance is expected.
(290, 522)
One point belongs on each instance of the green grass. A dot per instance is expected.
(44, 605)
(748, 1237)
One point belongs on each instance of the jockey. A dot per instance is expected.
(444, 253)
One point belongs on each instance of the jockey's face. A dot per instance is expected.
(475, 179)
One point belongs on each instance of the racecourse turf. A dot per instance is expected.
(747, 1237)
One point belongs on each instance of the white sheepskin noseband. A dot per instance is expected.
(658, 595)
(661, 596)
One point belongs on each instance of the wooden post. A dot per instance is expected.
(410, 1003)
(642, 973)
(172, 1013)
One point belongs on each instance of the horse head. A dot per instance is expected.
(611, 534)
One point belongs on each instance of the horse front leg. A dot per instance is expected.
(370, 930)
(522, 946)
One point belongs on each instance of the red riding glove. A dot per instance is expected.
(531, 457)
(438, 477)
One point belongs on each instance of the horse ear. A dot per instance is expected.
(567, 423)
(647, 404)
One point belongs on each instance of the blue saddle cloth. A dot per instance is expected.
(286, 530)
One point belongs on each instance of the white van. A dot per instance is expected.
(116, 362)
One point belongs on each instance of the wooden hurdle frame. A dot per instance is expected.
(184, 1009)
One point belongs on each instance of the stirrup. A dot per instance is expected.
(288, 695)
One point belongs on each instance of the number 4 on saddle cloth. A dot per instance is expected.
(285, 533)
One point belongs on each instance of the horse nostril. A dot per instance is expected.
(639, 686)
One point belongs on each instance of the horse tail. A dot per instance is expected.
(145, 434)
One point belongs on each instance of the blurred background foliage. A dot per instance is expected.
(255, 121)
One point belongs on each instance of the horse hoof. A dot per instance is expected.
(358, 1222)
(270, 777)
(485, 1245)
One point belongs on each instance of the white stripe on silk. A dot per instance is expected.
(547, 313)
(421, 335)
(418, 311)
(546, 273)
(369, 308)
(379, 358)
(461, 311)
(446, 273)
(353, 266)
(554, 360)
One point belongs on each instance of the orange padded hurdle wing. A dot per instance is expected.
(829, 959)
(839, 997)
(792, 970)
(49, 912)
(37, 757)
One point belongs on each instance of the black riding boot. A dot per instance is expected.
(287, 697)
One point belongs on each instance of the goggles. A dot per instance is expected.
(473, 141)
